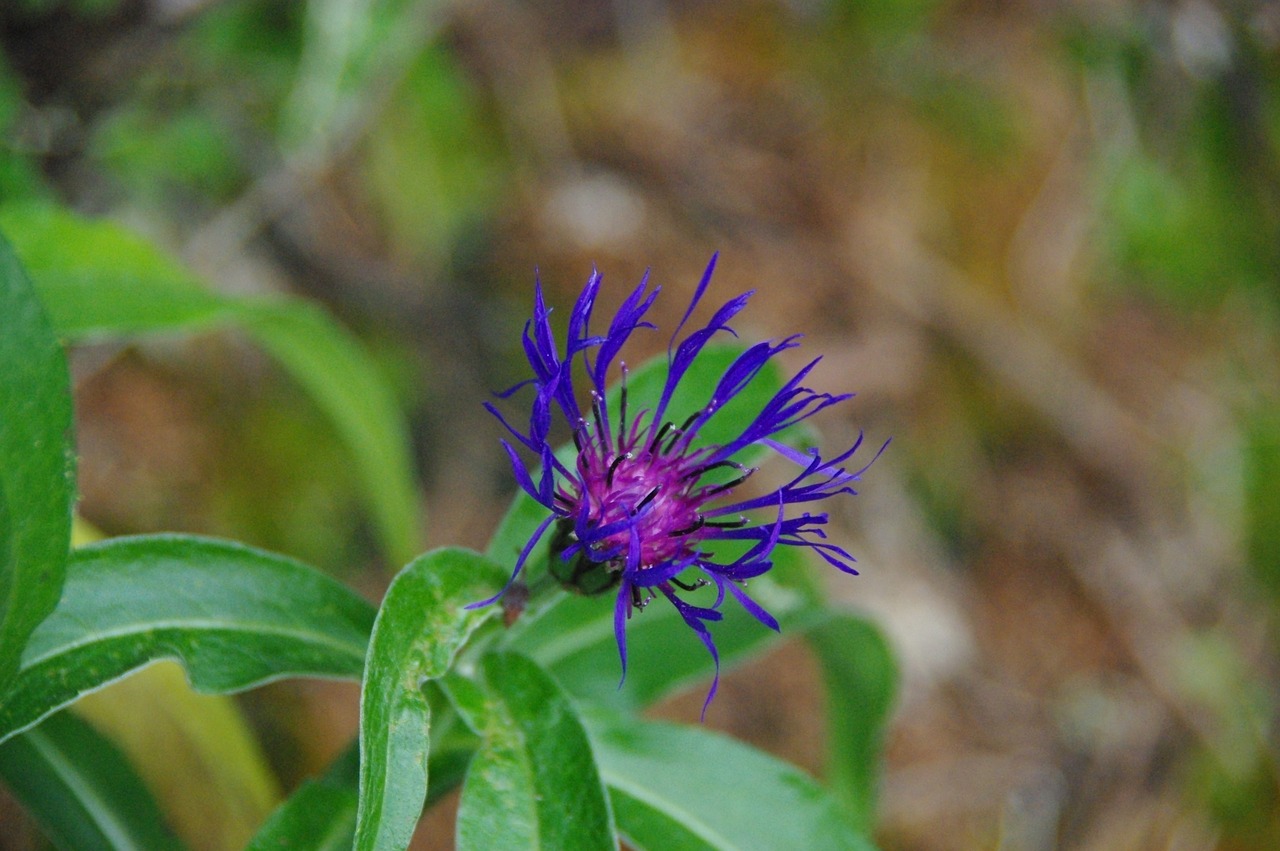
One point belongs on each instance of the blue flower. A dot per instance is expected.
(635, 508)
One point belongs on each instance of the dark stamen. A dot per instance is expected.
(728, 524)
(698, 524)
(676, 434)
(597, 413)
(613, 468)
(701, 583)
(701, 471)
(679, 433)
(648, 499)
(577, 434)
(662, 432)
(638, 601)
(622, 411)
(563, 500)
(729, 485)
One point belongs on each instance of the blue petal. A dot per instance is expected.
(522, 475)
(628, 318)
(621, 611)
(693, 618)
(756, 610)
(524, 555)
(581, 316)
(697, 297)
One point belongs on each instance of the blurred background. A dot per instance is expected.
(1041, 241)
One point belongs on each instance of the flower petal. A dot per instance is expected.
(524, 555)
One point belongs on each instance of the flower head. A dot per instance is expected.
(643, 497)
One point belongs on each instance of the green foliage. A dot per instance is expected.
(861, 680)
(153, 151)
(1171, 234)
(37, 465)
(253, 48)
(533, 782)
(88, 8)
(19, 177)
(1188, 189)
(320, 816)
(512, 733)
(421, 627)
(236, 617)
(680, 787)
(1262, 501)
(431, 165)
(82, 790)
(347, 386)
(1232, 767)
(882, 20)
(98, 280)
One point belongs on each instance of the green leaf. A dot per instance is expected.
(861, 680)
(319, 816)
(534, 782)
(681, 787)
(420, 629)
(343, 381)
(98, 280)
(196, 752)
(235, 616)
(81, 789)
(37, 464)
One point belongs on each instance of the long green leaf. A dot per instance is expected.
(420, 629)
(861, 679)
(81, 789)
(235, 616)
(319, 816)
(36, 464)
(98, 280)
(681, 787)
(534, 783)
(338, 374)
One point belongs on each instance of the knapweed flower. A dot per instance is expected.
(642, 499)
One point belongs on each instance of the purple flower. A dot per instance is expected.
(642, 497)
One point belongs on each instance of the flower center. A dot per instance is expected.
(652, 488)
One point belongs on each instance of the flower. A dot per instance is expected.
(641, 499)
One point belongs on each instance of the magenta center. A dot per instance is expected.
(654, 487)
